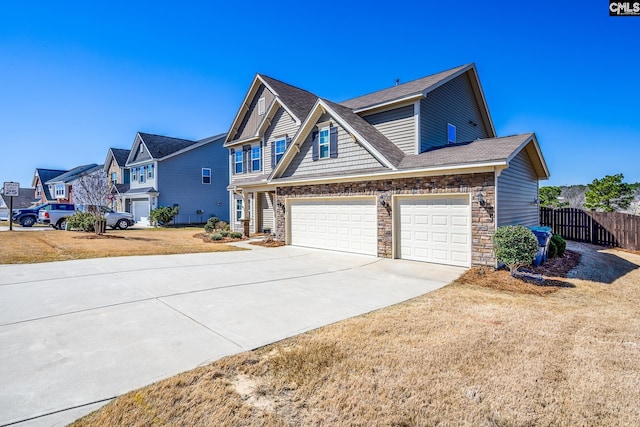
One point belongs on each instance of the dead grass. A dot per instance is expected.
(25, 247)
(463, 355)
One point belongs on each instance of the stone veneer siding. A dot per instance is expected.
(482, 225)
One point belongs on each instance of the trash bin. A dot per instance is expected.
(543, 234)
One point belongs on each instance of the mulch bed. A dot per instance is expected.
(268, 243)
(205, 238)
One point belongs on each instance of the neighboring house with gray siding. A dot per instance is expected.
(415, 171)
(165, 171)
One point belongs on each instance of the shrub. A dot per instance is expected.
(224, 233)
(163, 215)
(552, 250)
(515, 246)
(221, 225)
(211, 224)
(235, 235)
(560, 243)
(81, 221)
(216, 236)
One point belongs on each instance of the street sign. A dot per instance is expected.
(11, 189)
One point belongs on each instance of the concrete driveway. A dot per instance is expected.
(75, 334)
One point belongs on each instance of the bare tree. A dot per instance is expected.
(91, 191)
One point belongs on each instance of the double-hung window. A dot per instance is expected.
(206, 175)
(60, 191)
(239, 209)
(255, 158)
(134, 174)
(142, 173)
(150, 171)
(324, 143)
(237, 159)
(280, 147)
(114, 177)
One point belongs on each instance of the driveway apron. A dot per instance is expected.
(76, 334)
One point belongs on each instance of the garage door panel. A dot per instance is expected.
(434, 229)
(342, 224)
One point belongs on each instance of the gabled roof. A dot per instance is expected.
(120, 155)
(481, 151)
(46, 174)
(162, 146)
(73, 174)
(299, 101)
(414, 87)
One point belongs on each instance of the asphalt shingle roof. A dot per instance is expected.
(298, 100)
(72, 174)
(120, 155)
(478, 151)
(381, 143)
(161, 146)
(401, 91)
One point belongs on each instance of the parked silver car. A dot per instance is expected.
(121, 220)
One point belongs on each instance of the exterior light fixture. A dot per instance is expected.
(481, 201)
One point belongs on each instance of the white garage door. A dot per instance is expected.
(347, 224)
(140, 210)
(434, 229)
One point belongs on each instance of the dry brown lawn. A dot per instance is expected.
(24, 247)
(463, 355)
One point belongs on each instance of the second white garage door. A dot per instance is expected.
(434, 229)
(347, 224)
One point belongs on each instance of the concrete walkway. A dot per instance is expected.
(76, 334)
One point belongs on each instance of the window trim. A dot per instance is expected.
(206, 176)
(134, 174)
(451, 128)
(239, 209)
(275, 149)
(63, 193)
(142, 174)
(262, 106)
(326, 144)
(237, 160)
(256, 149)
(150, 171)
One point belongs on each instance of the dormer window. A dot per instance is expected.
(323, 143)
(261, 105)
(451, 133)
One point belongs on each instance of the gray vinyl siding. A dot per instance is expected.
(138, 156)
(252, 119)
(179, 180)
(398, 125)
(455, 103)
(281, 125)
(265, 208)
(517, 190)
(351, 157)
(147, 182)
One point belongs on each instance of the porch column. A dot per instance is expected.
(246, 217)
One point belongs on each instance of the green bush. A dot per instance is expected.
(163, 215)
(211, 224)
(235, 235)
(515, 246)
(552, 250)
(560, 243)
(81, 221)
(224, 233)
(216, 236)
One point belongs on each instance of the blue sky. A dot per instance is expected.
(79, 77)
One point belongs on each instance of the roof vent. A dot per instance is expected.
(397, 82)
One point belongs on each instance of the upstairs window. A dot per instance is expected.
(150, 171)
(142, 173)
(60, 191)
(255, 158)
(324, 143)
(114, 177)
(451, 133)
(261, 105)
(237, 159)
(134, 174)
(39, 190)
(206, 175)
(280, 147)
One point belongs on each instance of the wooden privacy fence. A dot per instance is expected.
(600, 228)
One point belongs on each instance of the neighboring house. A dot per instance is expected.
(41, 192)
(414, 171)
(24, 200)
(118, 176)
(60, 188)
(168, 171)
